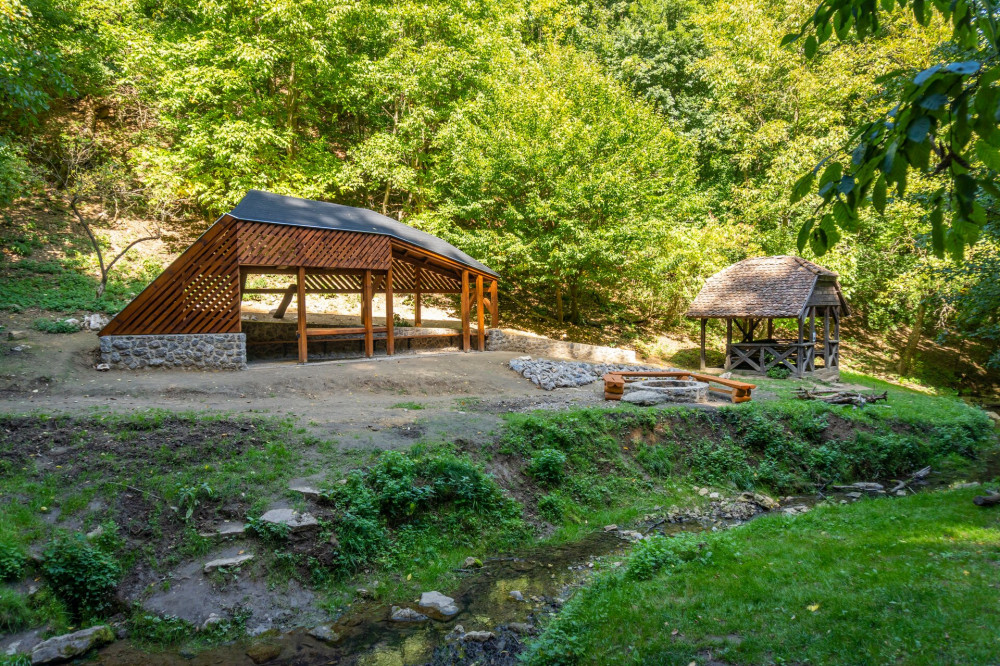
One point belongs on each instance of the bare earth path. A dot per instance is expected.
(359, 403)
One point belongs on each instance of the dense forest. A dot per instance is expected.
(604, 156)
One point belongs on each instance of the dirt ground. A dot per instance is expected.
(384, 402)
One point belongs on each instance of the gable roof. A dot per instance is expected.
(259, 206)
(766, 287)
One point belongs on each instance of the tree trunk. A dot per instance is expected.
(574, 304)
(559, 304)
(906, 358)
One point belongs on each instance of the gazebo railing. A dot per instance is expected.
(798, 357)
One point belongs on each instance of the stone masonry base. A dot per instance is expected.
(204, 351)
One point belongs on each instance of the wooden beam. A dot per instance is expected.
(366, 314)
(494, 305)
(826, 337)
(286, 300)
(303, 340)
(480, 314)
(465, 311)
(729, 341)
(702, 355)
(770, 328)
(390, 340)
(416, 299)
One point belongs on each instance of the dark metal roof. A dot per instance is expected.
(762, 287)
(258, 206)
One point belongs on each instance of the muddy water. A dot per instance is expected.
(369, 638)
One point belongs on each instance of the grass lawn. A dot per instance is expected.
(907, 581)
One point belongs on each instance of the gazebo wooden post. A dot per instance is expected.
(799, 357)
(770, 328)
(301, 305)
(826, 337)
(466, 344)
(729, 342)
(390, 340)
(701, 356)
(366, 313)
(480, 314)
(416, 299)
(494, 305)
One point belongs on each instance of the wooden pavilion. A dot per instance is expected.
(758, 291)
(328, 249)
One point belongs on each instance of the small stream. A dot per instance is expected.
(546, 576)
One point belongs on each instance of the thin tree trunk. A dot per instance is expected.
(559, 304)
(906, 358)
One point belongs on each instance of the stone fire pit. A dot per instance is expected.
(659, 391)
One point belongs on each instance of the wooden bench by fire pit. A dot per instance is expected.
(614, 383)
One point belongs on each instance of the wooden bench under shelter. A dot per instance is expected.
(751, 294)
(324, 248)
(614, 383)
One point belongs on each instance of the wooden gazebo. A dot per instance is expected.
(756, 291)
(328, 249)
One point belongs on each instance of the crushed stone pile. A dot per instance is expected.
(551, 375)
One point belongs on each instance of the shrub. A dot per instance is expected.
(272, 533)
(779, 372)
(14, 612)
(82, 576)
(656, 459)
(12, 561)
(147, 629)
(552, 508)
(548, 466)
(54, 326)
(653, 554)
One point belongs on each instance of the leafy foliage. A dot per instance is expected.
(82, 576)
(12, 560)
(548, 466)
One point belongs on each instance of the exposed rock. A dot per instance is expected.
(95, 533)
(631, 535)
(68, 646)
(994, 416)
(212, 620)
(714, 496)
(456, 633)
(406, 615)
(95, 322)
(325, 633)
(853, 495)
(307, 491)
(797, 509)
(436, 604)
(102, 367)
(472, 563)
(478, 636)
(516, 595)
(226, 529)
(264, 652)
(521, 628)
(703, 491)
(72, 321)
(17, 335)
(294, 520)
(225, 562)
(364, 593)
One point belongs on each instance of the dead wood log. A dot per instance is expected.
(987, 500)
(855, 398)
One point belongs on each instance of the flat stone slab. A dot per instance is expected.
(68, 646)
(406, 615)
(226, 529)
(291, 518)
(306, 491)
(435, 603)
(227, 562)
(324, 633)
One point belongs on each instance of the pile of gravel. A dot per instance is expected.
(564, 374)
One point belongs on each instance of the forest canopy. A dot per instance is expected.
(605, 156)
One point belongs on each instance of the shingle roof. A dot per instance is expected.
(259, 206)
(760, 287)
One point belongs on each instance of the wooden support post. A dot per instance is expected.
(826, 337)
(770, 329)
(416, 300)
(702, 355)
(366, 314)
(301, 305)
(480, 314)
(729, 341)
(494, 305)
(465, 311)
(390, 339)
(801, 355)
(286, 300)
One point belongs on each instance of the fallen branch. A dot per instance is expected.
(855, 398)
(987, 500)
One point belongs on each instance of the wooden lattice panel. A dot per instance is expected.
(198, 293)
(404, 278)
(262, 244)
(335, 283)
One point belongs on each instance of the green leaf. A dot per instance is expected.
(917, 131)
(879, 194)
(831, 174)
(802, 187)
(789, 38)
(988, 154)
(933, 102)
(804, 231)
(818, 242)
(922, 77)
(937, 232)
(888, 5)
(963, 68)
(811, 46)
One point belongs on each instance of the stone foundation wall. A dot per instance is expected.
(203, 351)
(504, 339)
